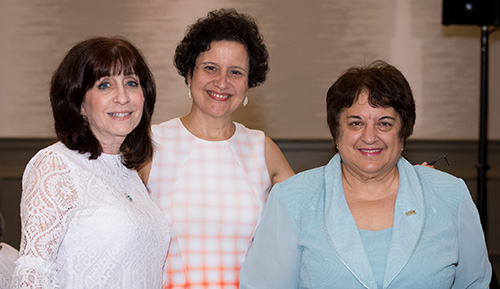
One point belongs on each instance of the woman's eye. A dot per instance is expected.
(236, 72)
(103, 85)
(385, 125)
(132, 83)
(210, 68)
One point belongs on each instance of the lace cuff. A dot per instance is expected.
(32, 272)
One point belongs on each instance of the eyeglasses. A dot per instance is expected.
(438, 159)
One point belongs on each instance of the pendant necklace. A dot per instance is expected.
(128, 197)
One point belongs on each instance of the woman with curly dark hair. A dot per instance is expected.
(210, 175)
(87, 219)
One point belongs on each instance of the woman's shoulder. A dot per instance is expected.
(168, 132)
(306, 184)
(301, 192)
(306, 179)
(438, 184)
(56, 157)
(240, 128)
(253, 137)
(435, 176)
(56, 150)
(50, 172)
(174, 123)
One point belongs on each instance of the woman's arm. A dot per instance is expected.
(47, 198)
(273, 260)
(277, 165)
(473, 269)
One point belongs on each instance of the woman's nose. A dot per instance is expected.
(122, 96)
(370, 135)
(221, 81)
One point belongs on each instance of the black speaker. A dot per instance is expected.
(471, 12)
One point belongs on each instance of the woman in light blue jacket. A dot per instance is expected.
(369, 219)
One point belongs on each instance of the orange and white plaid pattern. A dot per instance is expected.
(213, 193)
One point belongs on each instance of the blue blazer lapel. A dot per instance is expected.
(341, 228)
(409, 221)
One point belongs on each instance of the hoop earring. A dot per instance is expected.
(245, 101)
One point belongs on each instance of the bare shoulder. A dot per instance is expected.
(277, 165)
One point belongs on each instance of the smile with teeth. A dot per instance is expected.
(119, 114)
(370, 151)
(219, 96)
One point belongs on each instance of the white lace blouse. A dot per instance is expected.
(88, 224)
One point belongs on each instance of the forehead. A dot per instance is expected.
(361, 108)
(225, 51)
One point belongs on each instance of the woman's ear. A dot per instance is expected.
(83, 112)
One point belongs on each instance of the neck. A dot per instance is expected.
(209, 128)
(370, 188)
(111, 149)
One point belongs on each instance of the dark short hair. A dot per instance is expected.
(386, 87)
(84, 64)
(219, 25)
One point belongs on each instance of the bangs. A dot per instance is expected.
(114, 67)
(377, 99)
(116, 61)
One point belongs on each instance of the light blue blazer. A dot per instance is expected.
(308, 238)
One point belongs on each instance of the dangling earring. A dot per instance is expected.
(85, 121)
(189, 92)
(245, 101)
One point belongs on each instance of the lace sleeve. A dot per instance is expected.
(47, 199)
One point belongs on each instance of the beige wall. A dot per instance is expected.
(310, 42)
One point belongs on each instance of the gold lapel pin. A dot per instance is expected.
(411, 212)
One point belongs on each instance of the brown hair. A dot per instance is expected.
(84, 64)
(386, 87)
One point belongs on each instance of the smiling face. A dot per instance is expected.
(368, 140)
(220, 79)
(113, 108)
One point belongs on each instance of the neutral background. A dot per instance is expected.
(310, 43)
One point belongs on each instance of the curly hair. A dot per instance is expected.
(220, 25)
(83, 65)
(386, 87)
